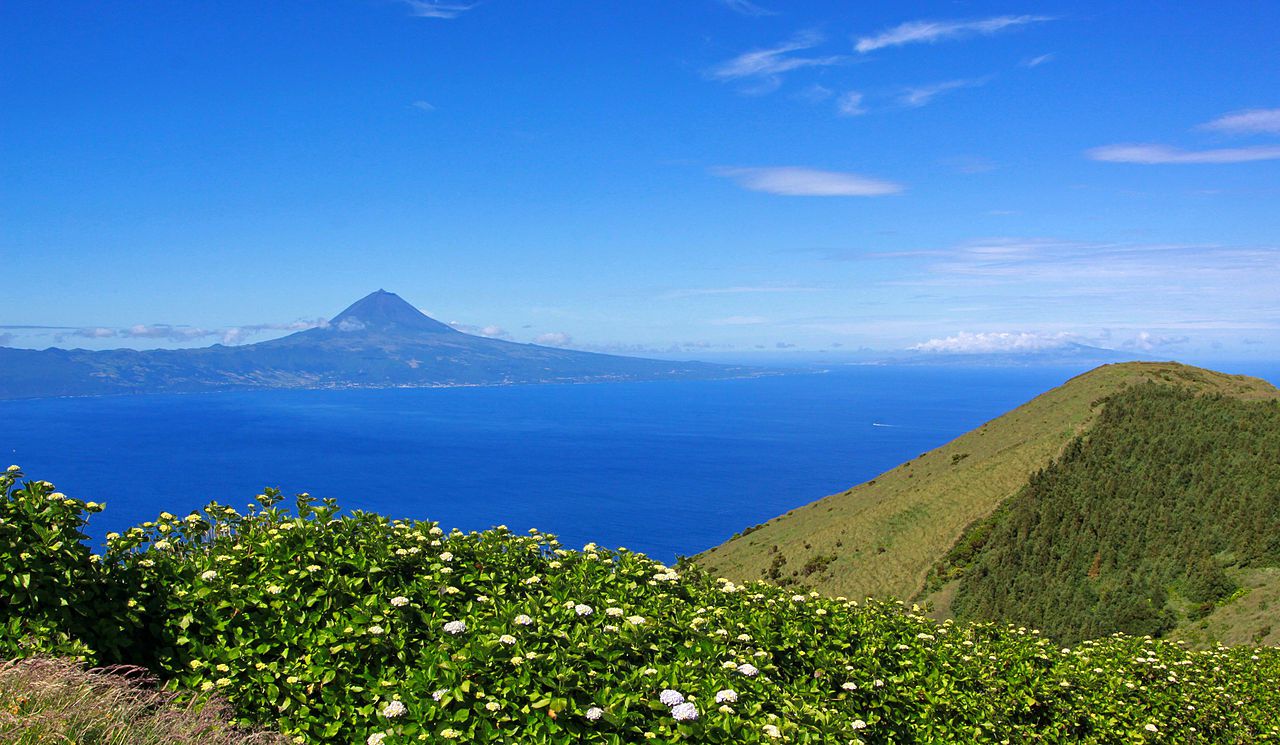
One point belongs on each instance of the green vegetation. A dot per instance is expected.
(360, 629)
(53, 702)
(1166, 490)
(889, 534)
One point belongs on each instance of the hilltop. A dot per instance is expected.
(380, 341)
(888, 536)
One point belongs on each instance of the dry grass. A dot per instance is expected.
(888, 533)
(58, 701)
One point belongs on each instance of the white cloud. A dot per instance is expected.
(554, 339)
(740, 321)
(795, 181)
(1037, 61)
(767, 66)
(434, 9)
(96, 332)
(165, 331)
(1161, 154)
(921, 96)
(916, 32)
(1147, 341)
(850, 104)
(490, 331)
(995, 342)
(1250, 121)
(746, 8)
(422, 105)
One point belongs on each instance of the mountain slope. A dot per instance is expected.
(1134, 527)
(884, 537)
(380, 341)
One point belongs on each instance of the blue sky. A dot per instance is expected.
(703, 176)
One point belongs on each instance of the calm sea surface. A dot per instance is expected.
(666, 468)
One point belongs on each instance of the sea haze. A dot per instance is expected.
(667, 468)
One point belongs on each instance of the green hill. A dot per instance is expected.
(1134, 526)
(886, 537)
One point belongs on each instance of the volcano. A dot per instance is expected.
(380, 341)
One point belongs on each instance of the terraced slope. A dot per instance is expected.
(883, 537)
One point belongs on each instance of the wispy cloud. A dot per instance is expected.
(793, 181)
(815, 93)
(921, 96)
(739, 321)
(432, 9)
(996, 342)
(1250, 121)
(918, 32)
(1037, 61)
(746, 8)
(422, 105)
(970, 164)
(739, 290)
(1149, 154)
(850, 104)
(1162, 285)
(767, 66)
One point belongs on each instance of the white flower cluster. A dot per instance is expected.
(455, 627)
(394, 709)
(681, 710)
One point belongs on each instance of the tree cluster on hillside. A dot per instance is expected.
(1133, 527)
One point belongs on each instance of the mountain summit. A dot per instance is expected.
(380, 341)
(387, 312)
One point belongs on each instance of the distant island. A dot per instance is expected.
(380, 341)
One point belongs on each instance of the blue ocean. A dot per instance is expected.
(667, 468)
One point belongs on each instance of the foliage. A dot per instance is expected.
(1166, 489)
(50, 701)
(50, 593)
(356, 628)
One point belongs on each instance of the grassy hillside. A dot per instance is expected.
(360, 629)
(883, 537)
(1133, 527)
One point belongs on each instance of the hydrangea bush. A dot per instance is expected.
(359, 629)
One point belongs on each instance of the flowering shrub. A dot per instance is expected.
(50, 592)
(360, 629)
